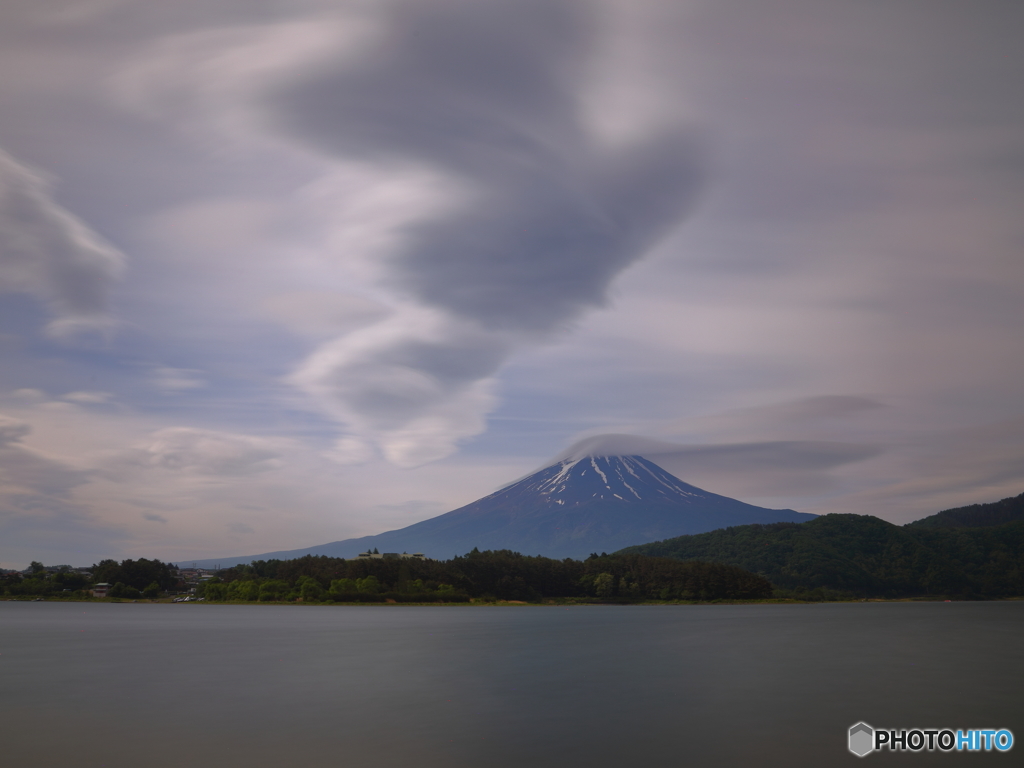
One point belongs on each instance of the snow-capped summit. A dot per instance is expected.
(578, 505)
(626, 478)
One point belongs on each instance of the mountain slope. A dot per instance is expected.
(570, 509)
(976, 515)
(963, 553)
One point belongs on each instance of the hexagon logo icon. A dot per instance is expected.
(862, 738)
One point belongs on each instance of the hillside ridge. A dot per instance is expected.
(975, 551)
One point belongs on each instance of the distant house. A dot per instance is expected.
(100, 590)
(391, 556)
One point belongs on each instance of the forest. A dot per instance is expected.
(971, 552)
(484, 576)
(490, 575)
(129, 579)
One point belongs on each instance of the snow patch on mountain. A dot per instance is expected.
(629, 479)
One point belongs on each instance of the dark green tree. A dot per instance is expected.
(310, 590)
(604, 585)
(123, 590)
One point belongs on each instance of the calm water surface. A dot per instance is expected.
(132, 685)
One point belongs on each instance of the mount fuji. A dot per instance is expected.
(572, 508)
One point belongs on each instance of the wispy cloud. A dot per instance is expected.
(171, 381)
(761, 468)
(546, 216)
(12, 430)
(87, 398)
(47, 252)
(24, 471)
(206, 452)
(37, 503)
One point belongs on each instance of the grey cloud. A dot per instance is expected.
(39, 517)
(484, 92)
(766, 469)
(175, 380)
(322, 313)
(25, 473)
(413, 508)
(46, 252)
(87, 398)
(412, 385)
(777, 455)
(487, 94)
(808, 413)
(790, 455)
(154, 518)
(12, 430)
(402, 377)
(820, 407)
(979, 458)
(29, 395)
(21, 468)
(205, 452)
(943, 469)
(531, 255)
(478, 87)
(616, 444)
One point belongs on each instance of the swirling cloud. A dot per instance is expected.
(546, 214)
(49, 253)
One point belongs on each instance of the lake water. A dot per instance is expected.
(144, 685)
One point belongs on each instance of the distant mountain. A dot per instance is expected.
(976, 515)
(570, 509)
(971, 551)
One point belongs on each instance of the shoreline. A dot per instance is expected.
(479, 603)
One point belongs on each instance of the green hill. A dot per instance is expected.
(975, 551)
(977, 515)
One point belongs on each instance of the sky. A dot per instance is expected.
(274, 274)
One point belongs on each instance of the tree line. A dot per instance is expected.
(496, 575)
(128, 579)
